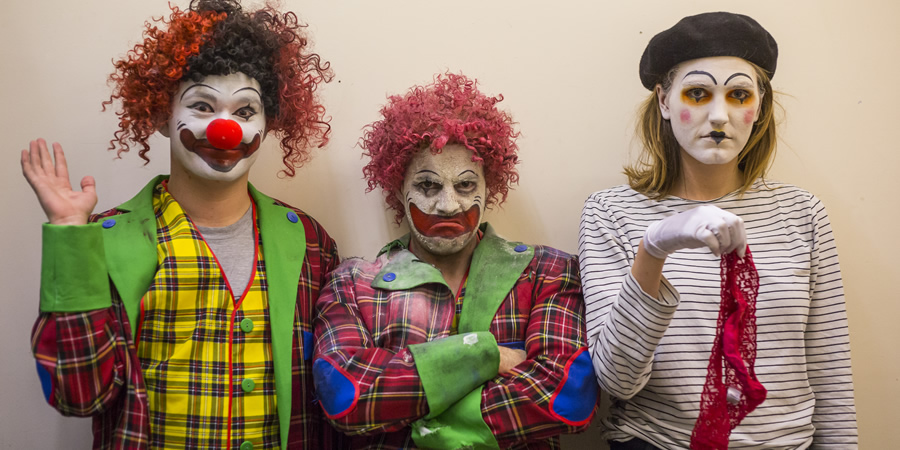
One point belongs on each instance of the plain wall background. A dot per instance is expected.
(568, 71)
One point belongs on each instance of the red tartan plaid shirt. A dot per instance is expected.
(365, 332)
(90, 367)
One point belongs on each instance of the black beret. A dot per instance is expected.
(704, 35)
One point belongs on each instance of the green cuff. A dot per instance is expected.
(461, 426)
(74, 277)
(452, 367)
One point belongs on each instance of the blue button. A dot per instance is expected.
(390, 276)
(109, 223)
(292, 216)
(521, 248)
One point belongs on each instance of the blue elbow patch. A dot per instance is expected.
(336, 391)
(574, 401)
(308, 342)
(518, 345)
(46, 381)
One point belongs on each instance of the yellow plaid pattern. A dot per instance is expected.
(205, 353)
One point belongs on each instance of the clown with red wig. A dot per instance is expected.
(183, 317)
(453, 336)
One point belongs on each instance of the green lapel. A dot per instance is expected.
(284, 247)
(496, 266)
(405, 271)
(130, 247)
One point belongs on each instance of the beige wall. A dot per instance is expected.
(568, 71)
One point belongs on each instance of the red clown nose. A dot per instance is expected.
(224, 134)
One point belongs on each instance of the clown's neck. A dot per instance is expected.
(210, 203)
(453, 267)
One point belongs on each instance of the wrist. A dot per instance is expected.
(69, 220)
(648, 248)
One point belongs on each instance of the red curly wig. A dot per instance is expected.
(214, 37)
(451, 110)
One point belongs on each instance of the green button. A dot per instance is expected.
(247, 385)
(247, 445)
(247, 325)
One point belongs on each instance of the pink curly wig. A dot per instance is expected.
(215, 37)
(451, 110)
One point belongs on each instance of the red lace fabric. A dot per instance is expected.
(734, 353)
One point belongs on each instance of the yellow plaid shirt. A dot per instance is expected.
(205, 352)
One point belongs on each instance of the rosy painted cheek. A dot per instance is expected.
(685, 116)
(748, 116)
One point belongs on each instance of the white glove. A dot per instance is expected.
(704, 226)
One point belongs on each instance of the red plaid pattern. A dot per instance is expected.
(367, 331)
(95, 371)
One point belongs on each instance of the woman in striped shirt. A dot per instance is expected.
(649, 255)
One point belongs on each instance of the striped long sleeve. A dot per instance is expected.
(651, 354)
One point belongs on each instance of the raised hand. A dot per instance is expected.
(50, 181)
(704, 226)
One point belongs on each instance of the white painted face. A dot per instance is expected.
(235, 97)
(712, 106)
(444, 197)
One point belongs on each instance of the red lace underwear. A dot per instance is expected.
(727, 398)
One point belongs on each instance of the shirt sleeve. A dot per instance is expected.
(624, 324)
(82, 360)
(367, 389)
(828, 342)
(554, 390)
(78, 340)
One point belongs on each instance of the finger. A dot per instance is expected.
(62, 169)
(737, 233)
(724, 234)
(31, 163)
(742, 247)
(88, 185)
(46, 160)
(710, 240)
(26, 162)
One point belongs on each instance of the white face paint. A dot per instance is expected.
(712, 105)
(444, 198)
(235, 97)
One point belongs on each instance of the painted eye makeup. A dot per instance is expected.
(466, 187)
(740, 95)
(428, 187)
(695, 95)
(201, 107)
(246, 112)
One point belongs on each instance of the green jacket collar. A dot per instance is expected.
(131, 257)
(496, 266)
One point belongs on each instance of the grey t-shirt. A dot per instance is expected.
(234, 248)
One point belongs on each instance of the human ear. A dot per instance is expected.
(164, 129)
(663, 99)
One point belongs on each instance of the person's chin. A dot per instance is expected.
(444, 246)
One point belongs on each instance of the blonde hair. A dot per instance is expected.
(659, 163)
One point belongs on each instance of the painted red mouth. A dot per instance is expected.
(220, 160)
(432, 225)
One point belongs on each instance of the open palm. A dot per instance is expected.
(49, 177)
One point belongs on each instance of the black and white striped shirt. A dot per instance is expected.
(651, 355)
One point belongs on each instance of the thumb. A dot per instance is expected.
(88, 185)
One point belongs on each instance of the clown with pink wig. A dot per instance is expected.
(453, 336)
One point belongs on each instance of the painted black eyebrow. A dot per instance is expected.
(467, 170)
(197, 85)
(246, 88)
(426, 170)
(700, 72)
(739, 74)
